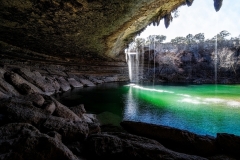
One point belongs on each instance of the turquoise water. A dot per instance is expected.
(202, 109)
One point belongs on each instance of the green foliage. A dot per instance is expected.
(189, 39)
(221, 36)
(199, 37)
(178, 40)
(155, 38)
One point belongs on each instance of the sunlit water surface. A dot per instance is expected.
(202, 109)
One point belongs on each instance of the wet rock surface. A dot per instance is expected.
(24, 142)
(224, 146)
(127, 146)
(176, 139)
(27, 128)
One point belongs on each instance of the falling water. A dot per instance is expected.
(133, 65)
(142, 64)
(137, 67)
(216, 61)
(154, 62)
(149, 58)
(129, 61)
(216, 55)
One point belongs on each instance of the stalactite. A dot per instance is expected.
(167, 19)
(189, 2)
(158, 20)
(217, 4)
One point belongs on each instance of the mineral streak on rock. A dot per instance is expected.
(217, 4)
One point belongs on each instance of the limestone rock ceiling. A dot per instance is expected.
(76, 29)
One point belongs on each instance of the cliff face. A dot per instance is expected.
(198, 63)
(76, 29)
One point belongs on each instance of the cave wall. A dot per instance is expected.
(77, 29)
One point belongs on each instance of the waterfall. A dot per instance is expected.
(216, 62)
(149, 58)
(142, 64)
(133, 65)
(137, 67)
(154, 61)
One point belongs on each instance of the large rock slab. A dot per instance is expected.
(22, 111)
(23, 86)
(2, 95)
(24, 142)
(74, 84)
(37, 79)
(6, 87)
(86, 82)
(228, 144)
(65, 112)
(176, 139)
(64, 85)
(70, 130)
(126, 146)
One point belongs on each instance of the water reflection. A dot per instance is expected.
(198, 108)
(195, 108)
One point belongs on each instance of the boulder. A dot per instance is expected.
(79, 110)
(55, 135)
(73, 83)
(69, 130)
(23, 86)
(228, 144)
(23, 112)
(2, 95)
(176, 139)
(126, 146)
(54, 82)
(64, 85)
(65, 112)
(24, 142)
(37, 79)
(110, 79)
(86, 82)
(6, 87)
(49, 107)
(36, 98)
(96, 80)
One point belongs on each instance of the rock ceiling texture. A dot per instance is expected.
(77, 29)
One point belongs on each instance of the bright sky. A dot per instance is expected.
(201, 17)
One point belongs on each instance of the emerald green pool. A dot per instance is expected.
(202, 109)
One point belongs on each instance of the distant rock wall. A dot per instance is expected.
(194, 62)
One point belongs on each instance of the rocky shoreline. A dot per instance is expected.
(34, 125)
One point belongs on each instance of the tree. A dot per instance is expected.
(160, 38)
(178, 40)
(151, 39)
(199, 37)
(140, 42)
(189, 38)
(222, 35)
